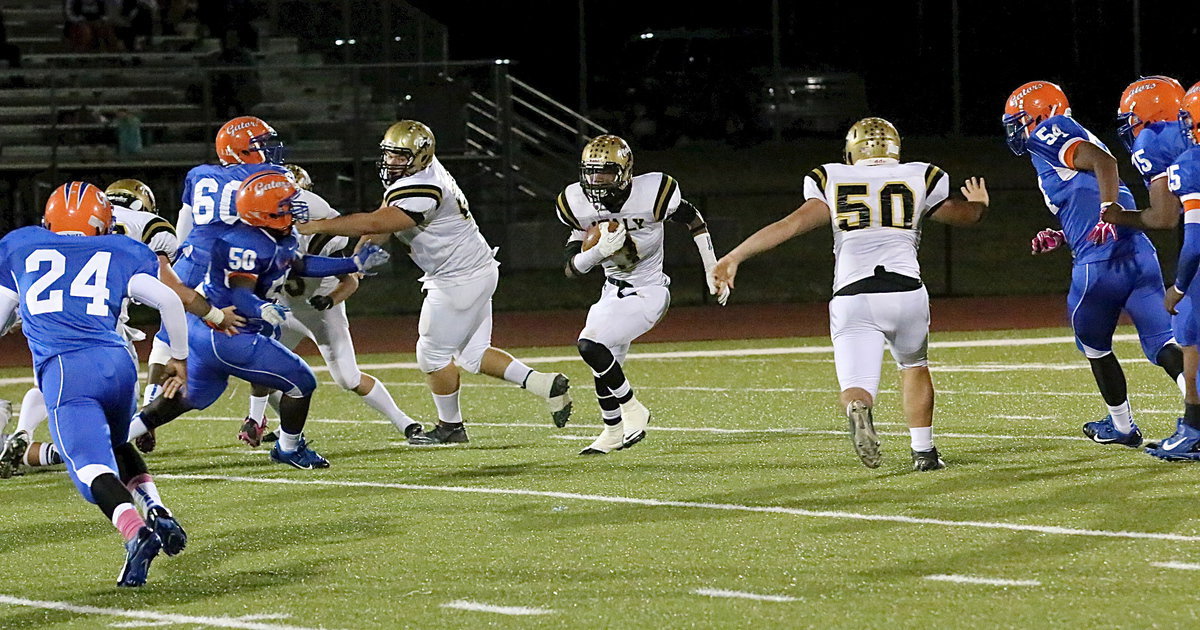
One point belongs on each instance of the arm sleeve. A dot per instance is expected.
(583, 262)
(323, 266)
(183, 227)
(246, 302)
(814, 184)
(146, 289)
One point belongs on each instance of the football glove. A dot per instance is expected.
(274, 314)
(1047, 240)
(371, 255)
(1103, 233)
(321, 302)
(611, 242)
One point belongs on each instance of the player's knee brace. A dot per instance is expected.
(431, 358)
(596, 355)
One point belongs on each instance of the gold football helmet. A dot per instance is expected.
(872, 138)
(299, 175)
(407, 149)
(606, 169)
(132, 194)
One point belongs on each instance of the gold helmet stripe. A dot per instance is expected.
(820, 176)
(410, 192)
(564, 212)
(154, 228)
(932, 175)
(665, 190)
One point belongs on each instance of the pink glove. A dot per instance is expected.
(1102, 233)
(1047, 240)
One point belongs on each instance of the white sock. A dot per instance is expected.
(152, 392)
(137, 428)
(33, 411)
(921, 438)
(258, 407)
(1122, 416)
(288, 441)
(146, 496)
(517, 372)
(447, 407)
(1181, 381)
(380, 399)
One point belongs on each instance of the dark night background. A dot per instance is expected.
(903, 50)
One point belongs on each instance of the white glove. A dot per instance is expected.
(611, 242)
(371, 255)
(723, 294)
(274, 314)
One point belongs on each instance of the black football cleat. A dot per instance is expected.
(927, 460)
(441, 434)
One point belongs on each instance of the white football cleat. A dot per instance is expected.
(612, 438)
(635, 417)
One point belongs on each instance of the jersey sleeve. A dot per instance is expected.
(1183, 179)
(8, 281)
(416, 200)
(1056, 140)
(814, 184)
(937, 187)
(160, 236)
(667, 198)
(565, 216)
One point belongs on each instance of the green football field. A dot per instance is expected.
(745, 506)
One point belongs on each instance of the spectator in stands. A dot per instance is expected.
(87, 26)
(129, 133)
(135, 23)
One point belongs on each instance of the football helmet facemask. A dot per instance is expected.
(606, 170)
(407, 148)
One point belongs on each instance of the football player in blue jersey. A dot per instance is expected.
(1149, 129)
(245, 146)
(70, 279)
(1115, 268)
(249, 264)
(1183, 180)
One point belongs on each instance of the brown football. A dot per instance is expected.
(593, 234)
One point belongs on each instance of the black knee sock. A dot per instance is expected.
(1170, 359)
(1191, 415)
(129, 462)
(605, 367)
(608, 403)
(1110, 379)
(163, 410)
(293, 413)
(109, 492)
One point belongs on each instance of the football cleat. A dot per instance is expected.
(12, 454)
(560, 400)
(170, 533)
(927, 460)
(414, 430)
(252, 431)
(1103, 432)
(303, 457)
(862, 433)
(635, 416)
(612, 438)
(1184, 445)
(441, 434)
(140, 551)
(146, 443)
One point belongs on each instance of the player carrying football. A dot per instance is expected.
(877, 206)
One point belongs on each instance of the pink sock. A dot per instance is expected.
(127, 521)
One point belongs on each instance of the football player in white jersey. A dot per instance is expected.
(428, 213)
(318, 312)
(877, 206)
(635, 296)
(135, 214)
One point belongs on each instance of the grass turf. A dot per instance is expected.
(340, 557)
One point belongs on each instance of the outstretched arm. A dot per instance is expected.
(385, 220)
(1163, 213)
(688, 215)
(967, 211)
(222, 319)
(809, 216)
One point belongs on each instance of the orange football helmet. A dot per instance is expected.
(270, 200)
(248, 140)
(1027, 107)
(78, 208)
(1189, 115)
(1147, 100)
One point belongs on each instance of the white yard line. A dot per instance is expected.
(967, 579)
(463, 604)
(655, 427)
(717, 592)
(146, 615)
(731, 507)
(1183, 566)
